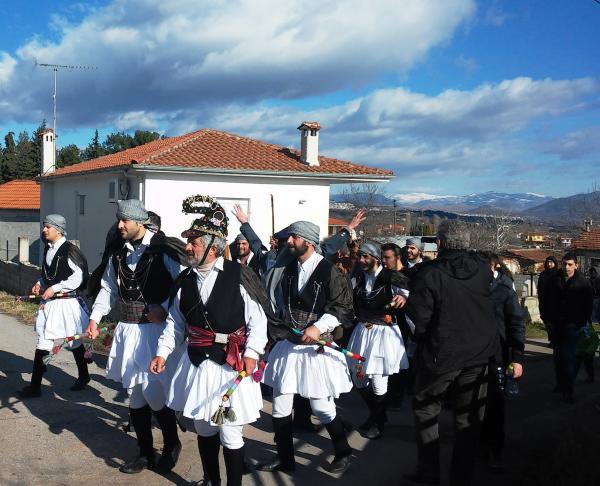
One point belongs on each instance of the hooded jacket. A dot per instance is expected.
(453, 313)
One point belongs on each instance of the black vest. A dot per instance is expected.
(371, 305)
(148, 283)
(304, 308)
(59, 269)
(224, 312)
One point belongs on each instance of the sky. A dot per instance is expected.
(455, 96)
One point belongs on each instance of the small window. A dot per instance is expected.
(112, 191)
(81, 204)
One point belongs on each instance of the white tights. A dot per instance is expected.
(323, 408)
(230, 435)
(149, 393)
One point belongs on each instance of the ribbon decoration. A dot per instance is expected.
(58, 295)
(332, 345)
(88, 353)
(258, 374)
(221, 414)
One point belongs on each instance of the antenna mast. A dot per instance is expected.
(55, 68)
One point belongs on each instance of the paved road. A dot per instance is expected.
(68, 438)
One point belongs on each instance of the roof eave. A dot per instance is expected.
(51, 176)
(336, 178)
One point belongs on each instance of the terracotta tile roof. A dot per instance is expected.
(588, 240)
(310, 125)
(537, 255)
(337, 222)
(213, 149)
(20, 194)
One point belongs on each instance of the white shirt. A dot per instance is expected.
(327, 322)
(74, 280)
(256, 320)
(109, 289)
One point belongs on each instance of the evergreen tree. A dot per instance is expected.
(117, 142)
(94, 148)
(24, 165)
(37, 148)
(141, 137)
(68, 155)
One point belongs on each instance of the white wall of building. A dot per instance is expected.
(164, 192)
(293, 200)
(63, 195)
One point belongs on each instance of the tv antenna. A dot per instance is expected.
(56, 68)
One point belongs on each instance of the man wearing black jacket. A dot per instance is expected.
(570, 301)
(455, 332)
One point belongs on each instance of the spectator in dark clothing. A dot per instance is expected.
(511, 345)
(550, 269)
(391, 256)
(412, 256)
(569, 307)
(455, 331)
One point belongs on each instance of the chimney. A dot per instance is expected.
(587, 223)
(309, 143)
(48, 151)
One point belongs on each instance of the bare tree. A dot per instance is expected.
(367, 196)
(494, 231)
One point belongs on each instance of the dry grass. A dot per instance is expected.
(25, 312)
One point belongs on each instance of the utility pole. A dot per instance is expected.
(55, 68)
(394, 217)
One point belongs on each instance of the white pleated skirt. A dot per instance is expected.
(133, 347)
(299, 368)
(197, 392)
(61, 318)
(382, 347)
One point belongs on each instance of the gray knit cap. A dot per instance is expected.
(58, 222)
(132, 209)
(240, 237)
(416, 242)
(368, 248)
(305, 229)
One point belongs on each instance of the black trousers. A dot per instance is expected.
(492, 430)
(470, 386)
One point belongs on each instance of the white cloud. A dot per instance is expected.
(7, 67)
(182, 54)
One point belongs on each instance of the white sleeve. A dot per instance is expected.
(72, 282)
(256, 325)
(400, 291)
(174, 332)
(107, 295)
(326, 323)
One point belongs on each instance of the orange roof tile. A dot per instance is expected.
(537, 255)
(588, 240)
(214, 149)
(337, 222)
(20, 194)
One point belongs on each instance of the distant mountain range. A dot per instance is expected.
(523, 204)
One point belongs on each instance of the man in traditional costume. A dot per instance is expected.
(377, 337)
(139, 275)
(214, 306)
(317, 300)
(61, 314)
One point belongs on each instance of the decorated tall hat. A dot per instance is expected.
(212, 218)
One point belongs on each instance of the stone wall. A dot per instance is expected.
(17, 278)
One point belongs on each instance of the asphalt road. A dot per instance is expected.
(69, 437)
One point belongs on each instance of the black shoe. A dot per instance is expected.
(272, 466)
(29, 392)
(421, 478)
(373, 432)
(168, 458)
(339, 465)
(137, 466)
(79, 384)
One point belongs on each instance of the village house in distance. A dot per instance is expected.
(275, 185)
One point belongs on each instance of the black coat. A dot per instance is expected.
(509, 320)
(453, 313)
(569, 301)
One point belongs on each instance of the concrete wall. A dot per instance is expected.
(15, 223)
(17, 278)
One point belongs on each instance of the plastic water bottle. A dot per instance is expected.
(500, 372)
(512, 387)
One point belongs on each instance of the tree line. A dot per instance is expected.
(21, 155)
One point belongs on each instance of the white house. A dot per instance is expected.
(274, 184)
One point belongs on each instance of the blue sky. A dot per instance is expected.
(456, 96)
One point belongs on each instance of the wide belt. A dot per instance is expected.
(234, 342)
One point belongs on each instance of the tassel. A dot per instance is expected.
(89, 350)
(258, 374)
(230, 415)
(219, 416)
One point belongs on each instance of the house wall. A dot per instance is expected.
(61, 195)
(163, 193)
(16, 223)
(292, 200)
